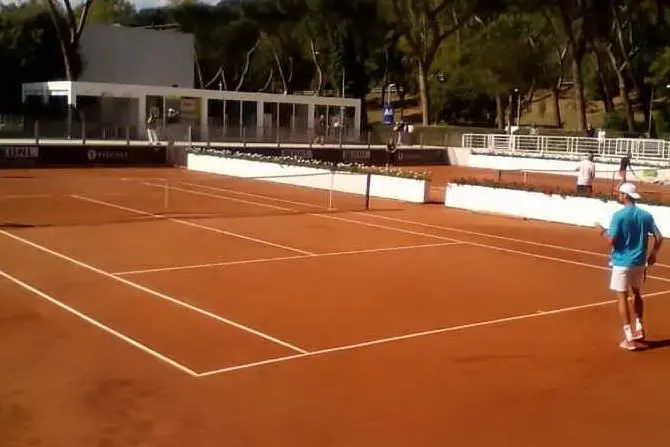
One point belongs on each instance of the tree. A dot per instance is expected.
(110, 11)
(275, 21)
(660, 68)
(554, 47)
(575, 16)
(225, 42)
(28, 45)
(510, 34)
(424, 25)
(69, 28)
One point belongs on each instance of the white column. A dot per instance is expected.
(357, 118)
(204, 118)
(71, 104)
(72, 95)
(260, 119)
(141, 116)
(310, 116)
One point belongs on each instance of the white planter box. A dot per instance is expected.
(381, 186)
(582, 211)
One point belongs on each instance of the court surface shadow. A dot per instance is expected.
(656, 344)
(10, 225)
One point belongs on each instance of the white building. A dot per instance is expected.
(234, 114)
(121, 55)
(129, 73)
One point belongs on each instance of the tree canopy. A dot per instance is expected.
(471, 62)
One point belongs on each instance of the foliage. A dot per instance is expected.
(29, 50)
(614, 121)
(661, 121)
(111, 11)
(311, 163)
(469, 61)
(613, 160)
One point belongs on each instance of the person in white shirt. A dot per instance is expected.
(586, 172)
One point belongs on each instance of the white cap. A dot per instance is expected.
(630, 190)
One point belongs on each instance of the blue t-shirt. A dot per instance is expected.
(630, 229)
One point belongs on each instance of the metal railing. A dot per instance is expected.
(638, 148)
(58, 129)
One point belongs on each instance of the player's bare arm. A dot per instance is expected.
(658, 242)
(604, 234)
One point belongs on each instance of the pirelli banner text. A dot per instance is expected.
(80, 155)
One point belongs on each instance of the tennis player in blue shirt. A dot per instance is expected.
(628, 237)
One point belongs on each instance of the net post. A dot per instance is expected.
(368, 180)
(166, 195)
(330, 190)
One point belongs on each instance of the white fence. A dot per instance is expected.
(640, 149)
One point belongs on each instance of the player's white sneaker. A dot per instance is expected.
(628, 345)
(637, 332)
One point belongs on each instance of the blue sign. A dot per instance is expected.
(387, 115)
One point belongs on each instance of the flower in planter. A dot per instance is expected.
(548, 190)
(568, 157)
(295, 161)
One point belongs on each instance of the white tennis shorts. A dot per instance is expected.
(625, 278)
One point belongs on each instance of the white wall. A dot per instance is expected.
(459, 156)
(397, 188)
(120, 55)
(581, 211)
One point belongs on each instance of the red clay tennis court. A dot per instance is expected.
(162, 307)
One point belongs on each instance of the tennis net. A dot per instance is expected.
(80, 199)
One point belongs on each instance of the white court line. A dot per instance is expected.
(342, 219)
(419, 335)
(440, 227)
(474, 244)
(506, 250)
(385, 227)
(155, 293)
(192, 224)
(26, 196)
(232, 199)
(99, 325)
(494, 236)
(286, 258)
(260, 196)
